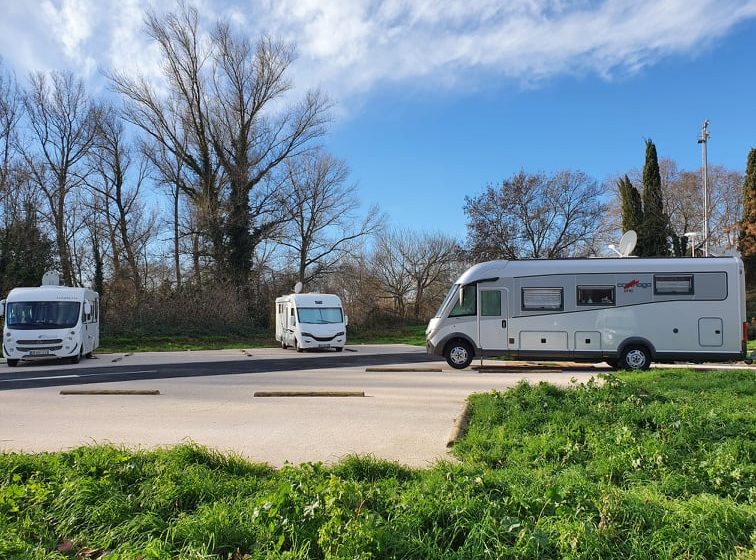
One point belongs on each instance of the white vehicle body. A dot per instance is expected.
(310, 321)
(626, 311)
(50, 322)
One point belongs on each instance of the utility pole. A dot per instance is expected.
(703, 139)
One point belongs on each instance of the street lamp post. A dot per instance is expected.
(703, 139)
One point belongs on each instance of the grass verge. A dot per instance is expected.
(653, 465)
(411, 334)
(111, 344)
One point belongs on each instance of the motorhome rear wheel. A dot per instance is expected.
(635, 357)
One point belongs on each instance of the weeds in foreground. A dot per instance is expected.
(653, 465)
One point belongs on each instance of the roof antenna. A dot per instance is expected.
(626, 244)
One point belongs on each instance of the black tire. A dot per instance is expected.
(12, 362)
(88, 355)
(634, 357)
(75, 359)
(459, 354)
(339, 349)
(283, 343)
(296, 345)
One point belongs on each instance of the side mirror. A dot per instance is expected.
(346, 320)
(87, 308)
(2, 308)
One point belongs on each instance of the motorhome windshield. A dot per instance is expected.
(28, 315)
(453, 292)
(320, 315)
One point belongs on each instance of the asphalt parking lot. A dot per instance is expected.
(407, 414)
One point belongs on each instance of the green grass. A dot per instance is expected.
(412, 334)
(407, 334)
(110, 344)
(652, 465)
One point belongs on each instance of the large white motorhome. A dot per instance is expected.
(310, 321)
(625, 311)
(50, 322)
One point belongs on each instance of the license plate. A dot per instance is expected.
(324, 345)
(39, 353)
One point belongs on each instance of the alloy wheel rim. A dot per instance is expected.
(459, 355)
(636, 359)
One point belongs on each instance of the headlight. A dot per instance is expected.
(307, 334)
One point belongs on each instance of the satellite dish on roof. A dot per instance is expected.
(297, 287)
(627, 243)
(51, 278)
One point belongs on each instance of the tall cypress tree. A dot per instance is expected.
(652, 237)
(632, 206)
(747, 238)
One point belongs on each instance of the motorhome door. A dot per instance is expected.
(493, 318)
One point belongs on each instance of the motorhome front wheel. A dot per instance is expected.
(459, 354)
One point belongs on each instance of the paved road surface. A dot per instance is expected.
(207, 397)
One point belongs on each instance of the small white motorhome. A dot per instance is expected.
(50, 321)
(310, 321)
(625, 311)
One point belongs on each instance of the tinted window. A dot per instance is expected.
(320, 315)
(490, 303)
(42, 314)
(595, 295)
(468, 305)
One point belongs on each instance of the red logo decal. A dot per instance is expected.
(632, 284)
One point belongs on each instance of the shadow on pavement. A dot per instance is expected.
(18, 379)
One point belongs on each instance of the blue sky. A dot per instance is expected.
(435, 99)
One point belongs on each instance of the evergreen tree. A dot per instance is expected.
(25, 253)
(632, 207)
(747, 240)
(652, 237)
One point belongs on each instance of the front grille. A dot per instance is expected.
(324, 338)
(41, 341)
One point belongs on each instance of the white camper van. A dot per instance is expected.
(307, 321)
(625, 311)
(50, 322)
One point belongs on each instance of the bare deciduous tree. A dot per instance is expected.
(118, 179)
(320, 212)
(11, 107)
(170, 173)
(63, 122)
(535, 216)
(230, 140)
(393, 277)
(416, 267)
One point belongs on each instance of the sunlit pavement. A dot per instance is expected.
(405, 416)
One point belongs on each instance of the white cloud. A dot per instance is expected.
(353, 46)
(362, 45)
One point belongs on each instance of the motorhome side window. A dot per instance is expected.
(542, 299)
(595, 295)
(490, 303)
(468, 305)
(678, 285)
